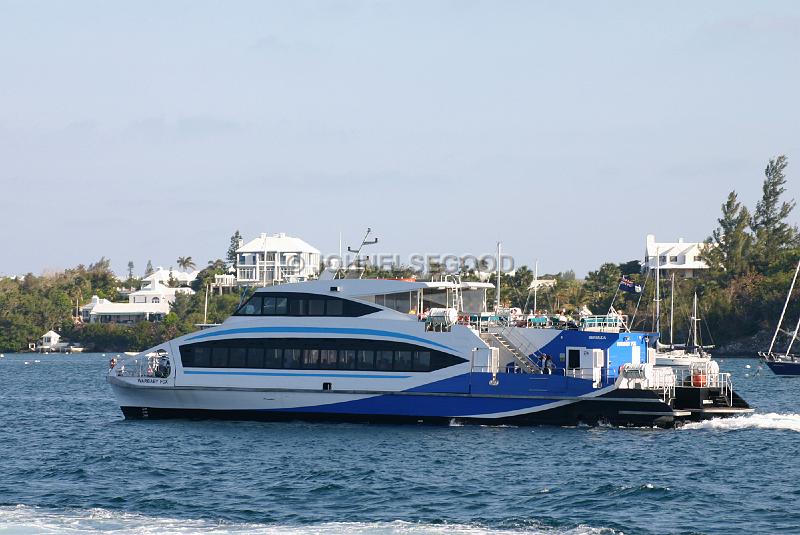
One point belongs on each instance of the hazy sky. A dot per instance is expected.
(568, 130)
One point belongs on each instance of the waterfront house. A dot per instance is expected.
(128, 313)
(151, 303)
(49, 342)
(157, 292)
(164, 276)
(274, 259)
(680, 258)
(226, 281)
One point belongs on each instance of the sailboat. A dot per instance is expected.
(784, 363)
(693, 353)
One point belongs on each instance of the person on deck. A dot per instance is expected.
(547, 364)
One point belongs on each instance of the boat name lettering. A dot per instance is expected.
(597, 338)
(147, 380)
(624, 344)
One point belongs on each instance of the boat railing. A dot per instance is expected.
(606, 323)
(699, 378)
(664, 380)
(143, 365)
(779, 357)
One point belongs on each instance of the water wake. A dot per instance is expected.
(24, 519)
(771, 420)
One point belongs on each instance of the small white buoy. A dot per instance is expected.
(104, 354)
(2, 355)
(26, 362)
(747, 375)
(37, 361)
(747, 367)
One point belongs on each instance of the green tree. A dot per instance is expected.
(631, 267)
(772, 232)
(601, 286)
(728, 247)
(172, 282)
(186, 263)
(149, 269)
(130, 269)
(232, 257)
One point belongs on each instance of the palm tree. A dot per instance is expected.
(186, 263)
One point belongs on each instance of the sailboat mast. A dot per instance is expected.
(658, 294)
(785, 304)
(535, 285)
(497, 301)
(694, 321)
(671, 310)
(205, 306)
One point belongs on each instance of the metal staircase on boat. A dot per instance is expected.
(524, 361)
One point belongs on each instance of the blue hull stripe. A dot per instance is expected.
(287, 374)
(319, 330)
(422, 406)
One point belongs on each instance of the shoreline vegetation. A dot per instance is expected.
(751, 256)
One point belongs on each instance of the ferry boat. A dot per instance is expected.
(371, 350)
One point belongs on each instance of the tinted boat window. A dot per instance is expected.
(335, 307)
(255, 357)
(202, 356)
(316, 307)
(274, 358)
(347, 359)
(281, 305)
(291, 358)
(187, 356)
(237, 357)
(402, 361)
(302, 304)
(327, 359)
(219, 357)
(311, 358)
(383, 360)
(315, 354)
(422, 361)
(366, 360)
(252, 307)
(297, 307)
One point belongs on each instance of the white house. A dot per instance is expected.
(538, 284)
(104, 311)
(156, 292)
(151, 303)
(182, 278)
(226, 280)
(681, 258)
(50, 341)
(278, 258)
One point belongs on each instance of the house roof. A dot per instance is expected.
(130, 308)
(277, 242)
(156, 288)
(688, 250)
(161, 274)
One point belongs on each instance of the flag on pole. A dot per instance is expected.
(627, 285)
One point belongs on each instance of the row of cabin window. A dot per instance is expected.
(312, 359)
(286, 306)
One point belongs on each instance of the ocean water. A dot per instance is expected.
(69, 463)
